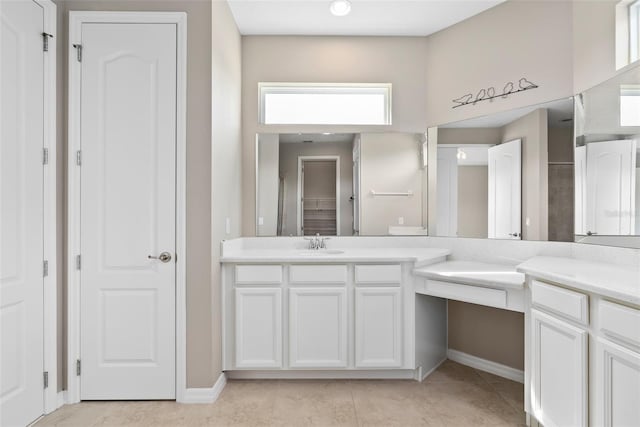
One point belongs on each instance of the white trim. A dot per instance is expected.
(421, 377)
(205, 395)
(76, 19)
(302, 159)
(50, 283)
(374, 374)
(61, 399)
(486, 365)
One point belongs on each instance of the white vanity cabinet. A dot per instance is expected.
(325, 318)
(258, 331)
(318, 327)
(559, 355)
(559, 371)
(617, 365)
(583, 358)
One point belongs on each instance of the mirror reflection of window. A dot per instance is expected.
(630, 105)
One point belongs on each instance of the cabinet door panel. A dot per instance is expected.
(618, 385)
(317, 327)
(378, 327)
(559, 372)
(258, 328)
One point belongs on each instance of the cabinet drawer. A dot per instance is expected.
(569, 304)
(467, 293)
(256, 274)
(620, 323)
(368, 274)
(318, 274)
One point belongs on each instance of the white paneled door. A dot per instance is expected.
(505, 191)
(21, 180)
(611, 180)
(128, 211)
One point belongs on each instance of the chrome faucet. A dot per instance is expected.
(316, 242)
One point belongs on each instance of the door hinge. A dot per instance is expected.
(78, 370)
(45, 377)
(78, 157)
(45, 156)
(78, 52)
(45, 41)
(78, 262)
(45, 268)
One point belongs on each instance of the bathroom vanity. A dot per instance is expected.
(380, 312)
(330, 313)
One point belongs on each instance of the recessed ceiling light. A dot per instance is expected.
(340, 7)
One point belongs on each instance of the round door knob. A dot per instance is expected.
(164, 257)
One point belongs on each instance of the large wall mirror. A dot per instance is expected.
(343, 184)
(505, 176)
(607, 167)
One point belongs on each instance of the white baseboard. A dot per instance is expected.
(486, 365)
(62, 399)
(422, 376)
(380, 374)
(206, 394)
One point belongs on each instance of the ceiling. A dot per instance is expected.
(559, 112)
(367, 17)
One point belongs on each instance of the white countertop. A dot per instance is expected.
(420, 256)
(617, 282)
(474, 273)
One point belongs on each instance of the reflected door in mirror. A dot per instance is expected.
(505, 191)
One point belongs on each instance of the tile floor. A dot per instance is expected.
(454, 395)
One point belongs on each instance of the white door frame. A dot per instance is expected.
(76, 19)
(50, 193)
(301, 160)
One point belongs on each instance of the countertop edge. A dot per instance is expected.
(578, 284)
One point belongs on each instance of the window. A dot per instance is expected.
(630, 105)
(634, 31)
(627, 32)
(325, 104)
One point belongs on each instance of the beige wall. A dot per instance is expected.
(389, 162)
(486, 332)
(203, 341)
(532, 129)
(594, 55)
(289, 169)
(516, 39)
(473, 201)
(396, 60)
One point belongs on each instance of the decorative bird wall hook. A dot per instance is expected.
(508, 88)
(464, 99)
(489, 94)
(526, 84)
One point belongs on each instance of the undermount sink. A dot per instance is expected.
(320, 252)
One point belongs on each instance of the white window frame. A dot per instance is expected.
(265, 88)
(626, 91)
(627, 30)
(634, 31)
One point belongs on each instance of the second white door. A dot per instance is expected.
(128, 211)
(505, 191)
